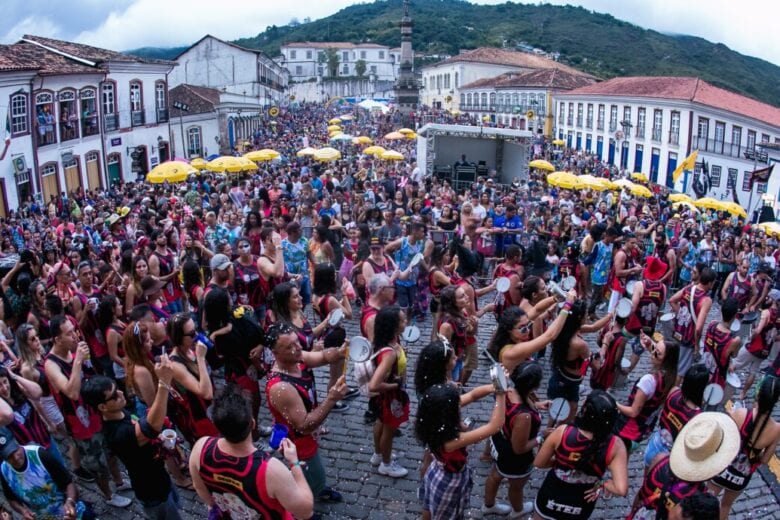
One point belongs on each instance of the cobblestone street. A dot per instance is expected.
(348, 446)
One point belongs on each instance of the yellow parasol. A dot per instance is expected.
(559, 142)
(770, 228)
(685, 204)
(680, 197)
(362, 139)
(594, 183)
(707, 202)
(374, 150)
(734, 209)
(230, 164)
(258, 156)
(623, 183)
(541, 164)
(394, 136)
(170, 171)
(641, 191)
(198, 163)
(306, 152)
(334, 128)
(392, 155)
(411, 136)
(335, 121)
(565, 180)
(405, 131)
(641, 177)
(327, 154)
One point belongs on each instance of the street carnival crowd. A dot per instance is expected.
(145, 325)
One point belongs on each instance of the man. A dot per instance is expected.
(390, 230)
(381, 293)
(762, 283)
(214, 232)
(701, 506)
(221, 272)
(667, 254)
(293, 402)
(295, 250)
(691, 305)
(64, 368)
(36, 484)
(739, 286)
(646, 302)
(720, 343)
(377, 262)
(511, 223)
(84, 307)
(162, 264)
(230, 474)
(131, 440)
(624, 269)
(406, 248)
(599, 272)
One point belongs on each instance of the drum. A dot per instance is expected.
(623, 309)
(498, 377)
(568, 283)
(713, 394)
(666, 322)
(630, 287)
(359, 349)
(559, 409)
(410, 334)
(733, 380)
(625, 363)
(736, 325)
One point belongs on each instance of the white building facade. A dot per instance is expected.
(650, 125)
(306, 61)
(16, 150)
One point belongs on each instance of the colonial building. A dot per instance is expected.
(442, 81)
(207, 121)
(88, 117)
(522, 100)
(211, 62)
(306, 61)
(650, 124)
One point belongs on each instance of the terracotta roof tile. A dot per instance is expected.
(29, 55)
(508, 58)
(10, 60)
(88, 52)
(199, 99)
(686, 89)
(554, 79)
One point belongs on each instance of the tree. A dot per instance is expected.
(360, 68)
(332, 58)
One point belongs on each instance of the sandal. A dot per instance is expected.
(330, 496)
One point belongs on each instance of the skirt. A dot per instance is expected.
(446, 495)
(559, 500)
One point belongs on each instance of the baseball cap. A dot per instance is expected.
(8, 444)
(775, 294)
(219, 262)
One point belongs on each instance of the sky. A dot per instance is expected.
(744, 26)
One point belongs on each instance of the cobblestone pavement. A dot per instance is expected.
(348, 446)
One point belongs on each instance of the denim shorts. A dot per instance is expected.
(655, 446)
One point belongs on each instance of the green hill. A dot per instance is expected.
(593, 42)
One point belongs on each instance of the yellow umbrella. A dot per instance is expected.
(707, 202)
(770, 227)
(641, 177)
(304, 152)
(327, 154)
(455, 112)
(258, 156)
(198, 163)
(170, 171)
(334, 128)
(685, 204)
(405, 131)
(392, 155)
(410, 136)
(362, 139)
(335, 121)
(374, 150)
(559, 142)
(269, 151)
(594, 183)
(394, 136)
(641, 191)
(541, 164)
(623, 183)
(565, 180)
(680, 197)
(734, 209)
(230, 164)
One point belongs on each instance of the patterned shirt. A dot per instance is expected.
(296, 256)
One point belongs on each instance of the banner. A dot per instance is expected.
(687, 164)
(761, 175)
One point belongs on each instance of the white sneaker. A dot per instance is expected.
(499, 508)
(528, 508)
(118, 500)
(392, 470)
(376, 458)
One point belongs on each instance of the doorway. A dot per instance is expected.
(72, 175)
(114, 166)
(93, 170)
(164, 151)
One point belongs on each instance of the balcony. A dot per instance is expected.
(600, 124)
(640, 132)
(570, 120)
(89, 126)
(674, 138)
(727, 149)
(656, 135)
(69, 130)
(111, 122)
(137, 117)
(613, 126)
(162, 115)
(46, 135)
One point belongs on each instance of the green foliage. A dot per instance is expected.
(360, 68)
(332, 59)
(593, 42)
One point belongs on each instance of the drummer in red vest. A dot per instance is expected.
(647, 298)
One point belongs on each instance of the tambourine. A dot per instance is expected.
(559, 409)
(733, 380)
(568, 283)
(713, 394)
(335, 317)
(359, 349)
(630, 287)
(736, 325)
(410, 334)
(623, 309)
(416, 259)
(498, 377)
(503, 284)
(750, 317)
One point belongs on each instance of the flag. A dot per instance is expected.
(761, 175)
(733, 188)
(687, 164)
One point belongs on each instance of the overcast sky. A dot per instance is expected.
(745, 25)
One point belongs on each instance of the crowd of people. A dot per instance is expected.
(143, 327)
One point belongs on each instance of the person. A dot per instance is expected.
(537, 304)
(66, 370)
(296, 259)
(513, 446)
(135, 441)
(691, 304)
(739, 285)
(759, 435)
(389, 402)
(699, 506)
(624, 269)
(682, 404)
(607, 366)
(381, 293)
(578, 456)
(647, 300)
(163, 264)
(36, 484)
(721, 343)
(406, 248)
(703, 449)
(289, 391)
(601, 255)
(445, 490)
(378, 263)
(246, 282)
(237, 480)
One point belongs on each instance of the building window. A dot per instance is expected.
(746, 181)
(484, 99)
(764, 138)
(468, 99)
(309, 55)
(345, 69)
(720, 136)
(704, 129)
(579, 115)
(109, 104)
(298, 70)
(589, 118)
(570, 116)
(372, 69)
(736, 137)
(462, 99)
(446, 81)
(381, 55)
(136, 103)
(69, 115)
(345, 56)
(293, 55)
(561, 110)
(658, 124)
(751, 140)
(362, 55)
(627, 114)
(456, 80)
(44, 113)
(613, 111)
(492, 100)
(641, 117)
(674, 128)
(715, 176)
(600, 120)
(194, 141)
(732, 179)
(18, 114)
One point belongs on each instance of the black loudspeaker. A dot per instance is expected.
(767, 214)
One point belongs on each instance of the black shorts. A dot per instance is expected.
(508, 463)
(733, 479)
(561, 385)
(559, 500)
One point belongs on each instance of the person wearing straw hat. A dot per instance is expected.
(703, 449)
(759, 435)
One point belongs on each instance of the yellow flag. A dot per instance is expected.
(688, 164)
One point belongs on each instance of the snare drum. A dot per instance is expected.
(623, 309)
(630, 287)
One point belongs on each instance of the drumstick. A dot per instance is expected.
(557, 414)
(708, 395)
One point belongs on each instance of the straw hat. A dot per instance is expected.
(705, 447)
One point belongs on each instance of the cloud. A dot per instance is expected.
(33, 25)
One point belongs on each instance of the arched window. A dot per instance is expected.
(160, 101)
(492, 99)
(136, 103)
(468, 99)
(45, 121)
(194, 141)
(484, 99)
(19, 114)
(462, 98)
(88, 111)
(457, 84)
(69, 115)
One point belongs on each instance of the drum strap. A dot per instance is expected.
(690, 302)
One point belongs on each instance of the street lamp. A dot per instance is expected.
(624, 145)
(182, 107)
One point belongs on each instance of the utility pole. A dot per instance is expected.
(182, 107)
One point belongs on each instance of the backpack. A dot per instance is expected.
(364, 371)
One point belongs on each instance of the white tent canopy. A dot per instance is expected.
(370, 104)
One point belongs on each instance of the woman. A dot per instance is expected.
(570, 351)
(108, 313)
(61, 283)
(727, 262)
(194, 250)
(192, 281)
(39, 316)
(446, 221)
(578, 456)
(270, 267)
(32, 353)
(683, 404)
(390, 402)
(513, 446)
(637, 417)
(759, 435)
(287, 307)
(253, 226)
(320, 247)
(191, 379)
(246, 282)
(441, 275)
(134, 294)
(445, 490)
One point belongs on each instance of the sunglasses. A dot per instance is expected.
(190, 334)
(655, 351)
(525, 329)
(113, 396)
